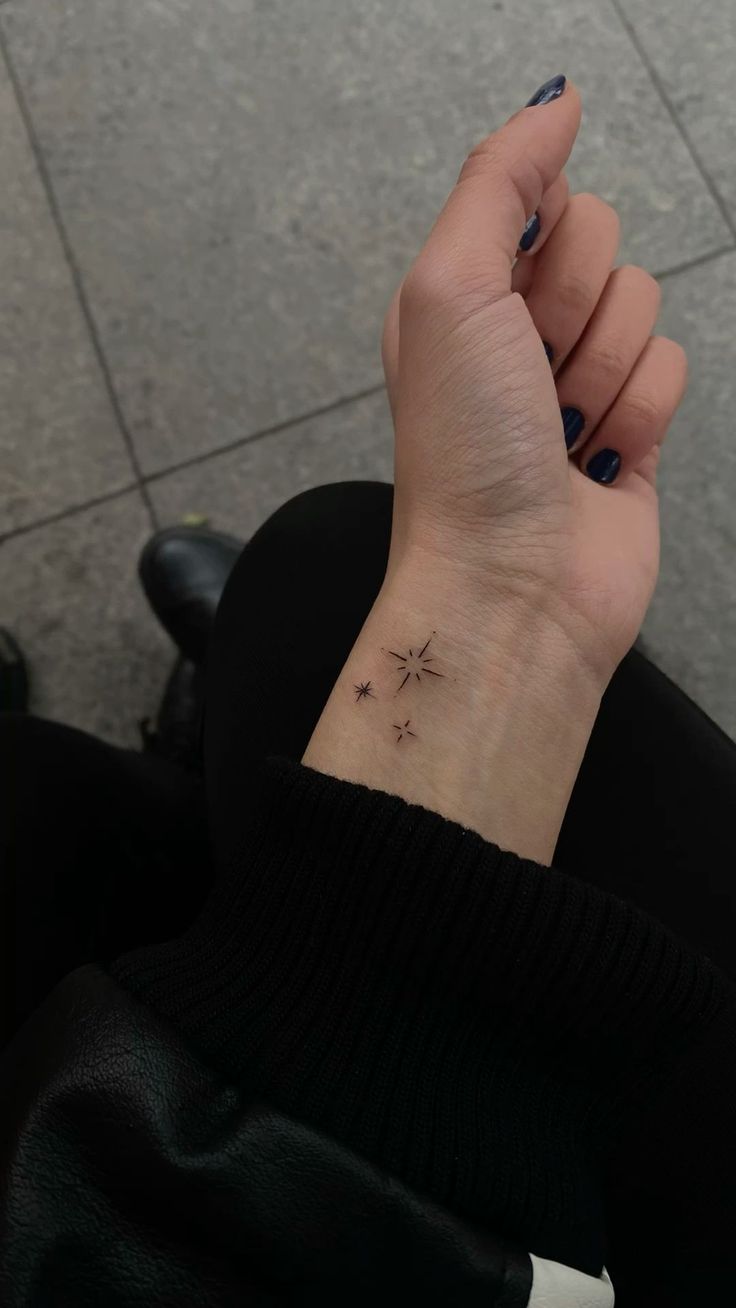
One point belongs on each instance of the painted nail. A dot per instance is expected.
(604, 466)
(548, 351)
(573, 423)
(550, 91)
(530, 233)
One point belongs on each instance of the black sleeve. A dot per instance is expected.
(490, 1030)
(494, 1039)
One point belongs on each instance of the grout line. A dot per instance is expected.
(697, 262)
(334, 405)
(70, 511)
(669, 106)
(75, 274)
(73, 509)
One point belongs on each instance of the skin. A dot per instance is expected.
(534, 577)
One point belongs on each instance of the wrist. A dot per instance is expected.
(486, 724)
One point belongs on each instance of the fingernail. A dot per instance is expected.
(573, 423)
(604, 466)
(550, 91)
(548, 351)
(530, 233)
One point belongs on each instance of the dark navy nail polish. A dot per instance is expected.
(548, 351)
(530, 233)
(550, 91)
(573, 423)
(604, 466)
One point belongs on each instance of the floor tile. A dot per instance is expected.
(691, 627)
(70, 594)
(59, 441)
(693, 50)
(238, 490)
(245, 182)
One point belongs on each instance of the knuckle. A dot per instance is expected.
(574, 296)
(453, 289)
(641, 411)
(506, 169)
(424, 287)
(630, 274)
(677, 354)
(488, 151)
(482, 161)
(594, 209)
(610, 361)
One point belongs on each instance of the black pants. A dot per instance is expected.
(102, 849)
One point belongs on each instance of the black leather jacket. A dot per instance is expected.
(134, 1176)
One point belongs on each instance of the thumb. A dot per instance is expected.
(473, 244)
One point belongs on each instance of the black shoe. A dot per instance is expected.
(177, 734)
(183, 571)
(13, 676)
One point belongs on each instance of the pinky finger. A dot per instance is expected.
(639, 417)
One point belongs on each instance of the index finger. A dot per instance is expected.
(476, 237)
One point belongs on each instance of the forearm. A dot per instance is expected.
(486, 724)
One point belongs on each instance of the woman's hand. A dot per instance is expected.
(516, 582)
(483, 475)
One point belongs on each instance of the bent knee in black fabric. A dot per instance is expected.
(291, 612)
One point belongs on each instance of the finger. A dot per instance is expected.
(642, 412)
(390, 349)
(571, 272)
(474, 242)
(607, 351)
(542, 223)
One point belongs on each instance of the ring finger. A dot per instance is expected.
(607, 351)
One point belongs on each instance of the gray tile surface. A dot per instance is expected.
(693, 50)
(244, 182)
(59, 442)
(97, 659)
(691, 626)
(238, 490)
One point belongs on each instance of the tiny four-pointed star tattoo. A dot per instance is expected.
(403, 730)
(415, 664)
(363, 691)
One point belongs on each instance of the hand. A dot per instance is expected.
(532, 576)
(484, 482)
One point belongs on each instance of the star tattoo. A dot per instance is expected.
(415, 664)
(404, 730)
(363, 691)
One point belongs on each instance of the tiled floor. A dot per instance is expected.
(203, 212)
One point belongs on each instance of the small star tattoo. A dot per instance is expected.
(415, 664)
(363, 691)
(404, 731)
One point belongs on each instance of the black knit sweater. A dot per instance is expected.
(529, 1051)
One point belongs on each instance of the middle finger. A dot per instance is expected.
(571, 271)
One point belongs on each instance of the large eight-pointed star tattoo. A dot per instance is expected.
(415, 664)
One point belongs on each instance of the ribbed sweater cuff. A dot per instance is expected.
(475, 1022)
